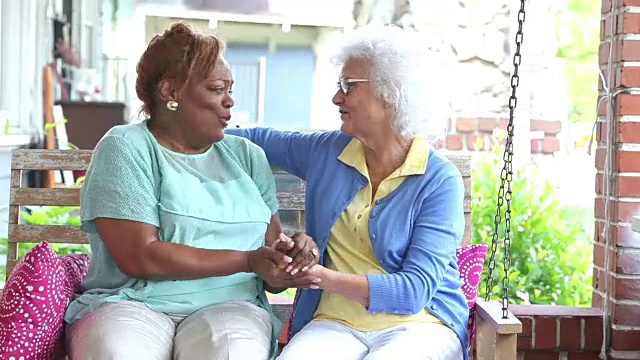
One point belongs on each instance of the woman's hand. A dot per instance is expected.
(269, 264)
(351, 286)
(301, 248)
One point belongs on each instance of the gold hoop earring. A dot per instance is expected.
(172, 105)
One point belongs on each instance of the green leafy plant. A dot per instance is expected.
(551, 243)
(52, 125)
(47, 215)
(56, 215)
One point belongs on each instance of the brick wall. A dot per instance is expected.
(471, 133)
(623, 273)
(558, 332)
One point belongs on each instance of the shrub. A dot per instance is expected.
(55, 215)
(551, 242)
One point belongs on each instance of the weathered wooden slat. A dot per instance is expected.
(282, 311)
(291, 201)
(467, 186)
(39, 159)
(40, 196)
(295, 202)
(50, 233)
(32, 159)
(11, 263)
(278, 171)
(14, 218)
(466, 236)
(462, 162)
(289, 229)
(14, 210)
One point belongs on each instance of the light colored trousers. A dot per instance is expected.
(324, 339)
(130, 330)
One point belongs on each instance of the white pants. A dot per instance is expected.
(324, 339)
(130, 330)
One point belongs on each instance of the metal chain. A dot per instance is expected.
(506, 176)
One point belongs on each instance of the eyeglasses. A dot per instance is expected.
(345, 84)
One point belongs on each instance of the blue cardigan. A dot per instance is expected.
(414, 230)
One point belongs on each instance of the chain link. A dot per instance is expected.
(506, 176)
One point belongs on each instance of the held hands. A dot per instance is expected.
(302, 250)
(270, 264)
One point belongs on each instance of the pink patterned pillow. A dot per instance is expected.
(34, 301)
(470, 264)
(75, 269)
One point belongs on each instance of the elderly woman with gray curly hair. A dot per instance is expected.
(385, 209)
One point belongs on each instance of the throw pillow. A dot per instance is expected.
(34, 300)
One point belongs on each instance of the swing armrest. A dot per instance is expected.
(491, 313)
(496, 338)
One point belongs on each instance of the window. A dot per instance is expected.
(17, 47)
(26, 46)
(248, 91)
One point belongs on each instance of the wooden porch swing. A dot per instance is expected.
(496, 328)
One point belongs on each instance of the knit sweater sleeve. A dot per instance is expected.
(436, 234)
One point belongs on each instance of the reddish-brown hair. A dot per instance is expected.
(180, 53)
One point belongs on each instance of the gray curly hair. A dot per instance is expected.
(407, 76)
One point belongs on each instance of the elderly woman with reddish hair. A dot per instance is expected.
(182, 222)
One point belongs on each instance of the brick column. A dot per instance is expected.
(624, 266)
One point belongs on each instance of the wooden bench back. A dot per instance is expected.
(290, 196)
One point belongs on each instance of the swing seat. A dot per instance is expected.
(488, 331)
(495, 336)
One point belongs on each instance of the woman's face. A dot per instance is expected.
(363, 113)
(205, 103)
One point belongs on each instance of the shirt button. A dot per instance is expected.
(366, 206)
(359, 217)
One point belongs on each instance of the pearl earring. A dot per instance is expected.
(172, 105)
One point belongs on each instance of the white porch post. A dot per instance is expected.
(23, 50)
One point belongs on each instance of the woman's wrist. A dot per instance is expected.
(247, 261)
(327, 277)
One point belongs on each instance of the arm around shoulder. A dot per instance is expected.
(288, 150)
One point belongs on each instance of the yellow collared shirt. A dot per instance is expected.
(349, 248)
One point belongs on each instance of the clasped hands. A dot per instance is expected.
(286, 262)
